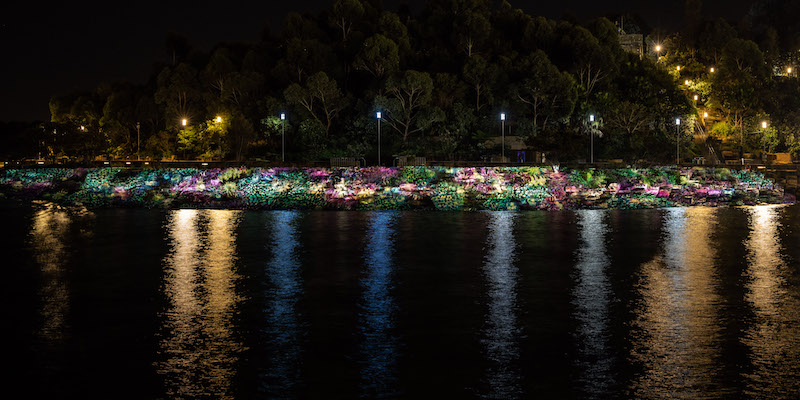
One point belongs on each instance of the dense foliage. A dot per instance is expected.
(393, 188)
(441, 77)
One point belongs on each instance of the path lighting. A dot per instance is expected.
(678, 68)
(379, 117)
(184, 122)
(686, 82)
(712, 70)
(677, 141)
(503, 137)
(591, 140)
(83, 128)
(695, 97)
(283, 137)
(219, 119)
(705, 115)
(763, 124)
(789, 70)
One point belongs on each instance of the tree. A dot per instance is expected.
(548, 93)
(321, 98)
(481, 76)
(344, 13)
(405, 100)
(378, 56)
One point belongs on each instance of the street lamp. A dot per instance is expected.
(763, 124)
(138, 135)
(379, 117)
(705, 114)
(184, 122)
(658, 51)
(678, 68)
(219, 119)
(677, 141)
(686, 82)
(788, 70)
(712, 70)
(695, 97)
(591, 143)
(283, 137)
(503, 137)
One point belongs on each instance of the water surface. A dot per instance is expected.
(686, 303)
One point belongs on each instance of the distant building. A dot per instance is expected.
(632, 43)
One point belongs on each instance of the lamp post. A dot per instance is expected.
(591, 140)
(379, 116)
(677, 142)
(283, 137)
(658, 52)
(503, 137)
(138, 125)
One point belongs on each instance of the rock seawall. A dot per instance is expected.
(441, 188)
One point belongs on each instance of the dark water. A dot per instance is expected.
(680, 303)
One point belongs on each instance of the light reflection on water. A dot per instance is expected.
(283, 330)
(198, 346)
(501, 330)
(713, 312)
(773, 337)
(379, 345)
(677, 320)
(47, 237)
(591, 299)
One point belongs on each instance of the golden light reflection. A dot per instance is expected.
(678, 324)
(48, 235)
(773, 337)
(198, 343)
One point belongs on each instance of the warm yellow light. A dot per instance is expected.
(705, 115)
(695, 97)
(658, 47)
(789, 70)
(83, 128)
(678, 68)
(712, 70)
(763, 124)
(184, 121)
(686, 82)
(219, 119)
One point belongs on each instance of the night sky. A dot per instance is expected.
(55, 49)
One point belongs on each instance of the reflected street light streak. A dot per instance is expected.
(283, 330)
(500, 335)
(377, 310)
(678, 323)
(773, 336)
(591, 299)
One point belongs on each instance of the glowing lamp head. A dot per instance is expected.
(763, 124)
(378, 115)
(658, 47)
(219, 119)
(789, 70)
(591, 118)
(678, 68)
(712, 70)
(686, 82)
(705, 115)
(83, 128)
(502, 116)
(184, 122)
(283, 116)
(677, 121)
(695, 97)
